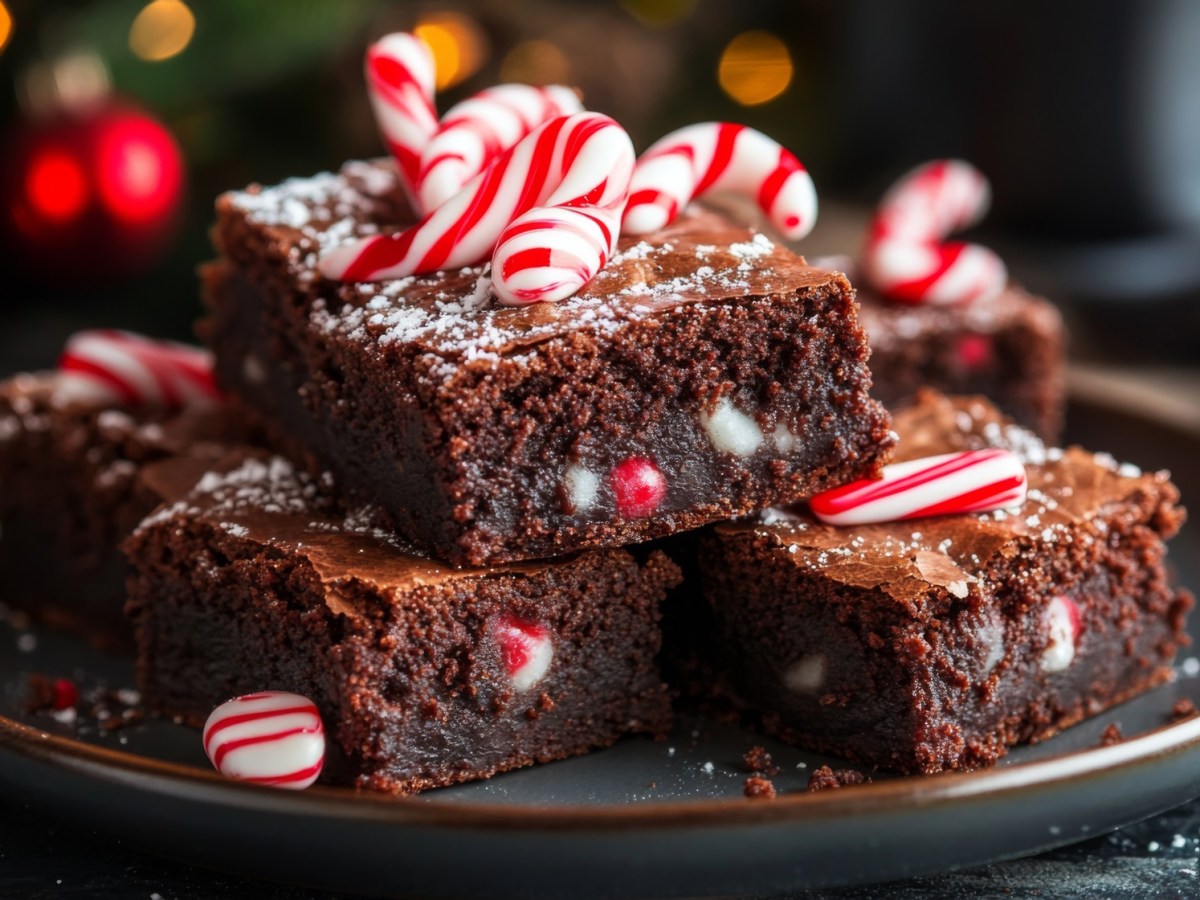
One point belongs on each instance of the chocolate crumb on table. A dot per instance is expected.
(757, 759)
(1112, 735)
(1184, 708)
(826, 778)
(759, 788)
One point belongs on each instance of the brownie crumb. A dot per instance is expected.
(98, 707)
(757, 759)
(44, 694)
(758, 787)
(1112, 735)
(825, 778)
(1184, 708)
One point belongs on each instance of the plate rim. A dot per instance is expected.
(194, 784)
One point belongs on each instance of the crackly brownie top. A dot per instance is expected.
(1073, 495)
(891, 324)
(266, 500)
(701, 257)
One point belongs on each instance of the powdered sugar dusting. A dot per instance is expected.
(452, 319)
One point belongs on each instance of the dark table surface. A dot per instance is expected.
(41, 857)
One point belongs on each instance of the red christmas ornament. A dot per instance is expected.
(91, 193)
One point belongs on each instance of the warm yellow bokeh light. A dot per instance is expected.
(161, 30)
(6, 26)
(458, 46)
(755, 67)
(536, 62)
(660, 13)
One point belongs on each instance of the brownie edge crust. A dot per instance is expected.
(255, 581)
(704, 362)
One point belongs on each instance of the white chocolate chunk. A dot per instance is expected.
(806, 676)
(582, 486)
(731, 430)
(785, 441)
(991, 636)
(253, 370)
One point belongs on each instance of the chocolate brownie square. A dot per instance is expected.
(704, 373)
(425, 675)
(937, 643)
(69, 494)
(1009, 348)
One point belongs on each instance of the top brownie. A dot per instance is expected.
(705, 373)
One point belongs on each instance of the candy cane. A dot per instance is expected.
(548, 254)
(271, 737)
(578, 161)
(400, 83)
(479, 129)
(719, 156)
(970, 481)
(905, 257)
(107, 368)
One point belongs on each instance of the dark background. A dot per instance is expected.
(1084, 115)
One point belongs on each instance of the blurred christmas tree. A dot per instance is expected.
(262, 91)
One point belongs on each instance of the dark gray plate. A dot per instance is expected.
(642, 818)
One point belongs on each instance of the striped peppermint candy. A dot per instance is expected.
(550, 253)
(720, 156)
(581, 161)
(271, 737)
(906, 256)
(105, 367)
(970, 481)
(526, 650)
(400, 85)
(477, 130)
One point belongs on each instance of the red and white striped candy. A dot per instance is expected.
(400, 85)
(906, 256)
(477, 130)
(578, 161)
(270, 737)
(970, 481)
(720, 156)
(1063, 625)
(118, 368)
(527, 651)
(551, 252)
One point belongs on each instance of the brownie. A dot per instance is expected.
(937, 643)
(425, 675)
(1009, 348)
(69, 494)
(704, 373)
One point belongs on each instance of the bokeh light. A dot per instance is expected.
(755, 67)
(459, 47)
(140, 173)
(536, 62)
(56, 186)
(6, 26)
(161, 30)
(660, 13)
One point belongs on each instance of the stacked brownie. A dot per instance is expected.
(436, 545)
(936, 643)
(70, 493)
(1008, 348)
